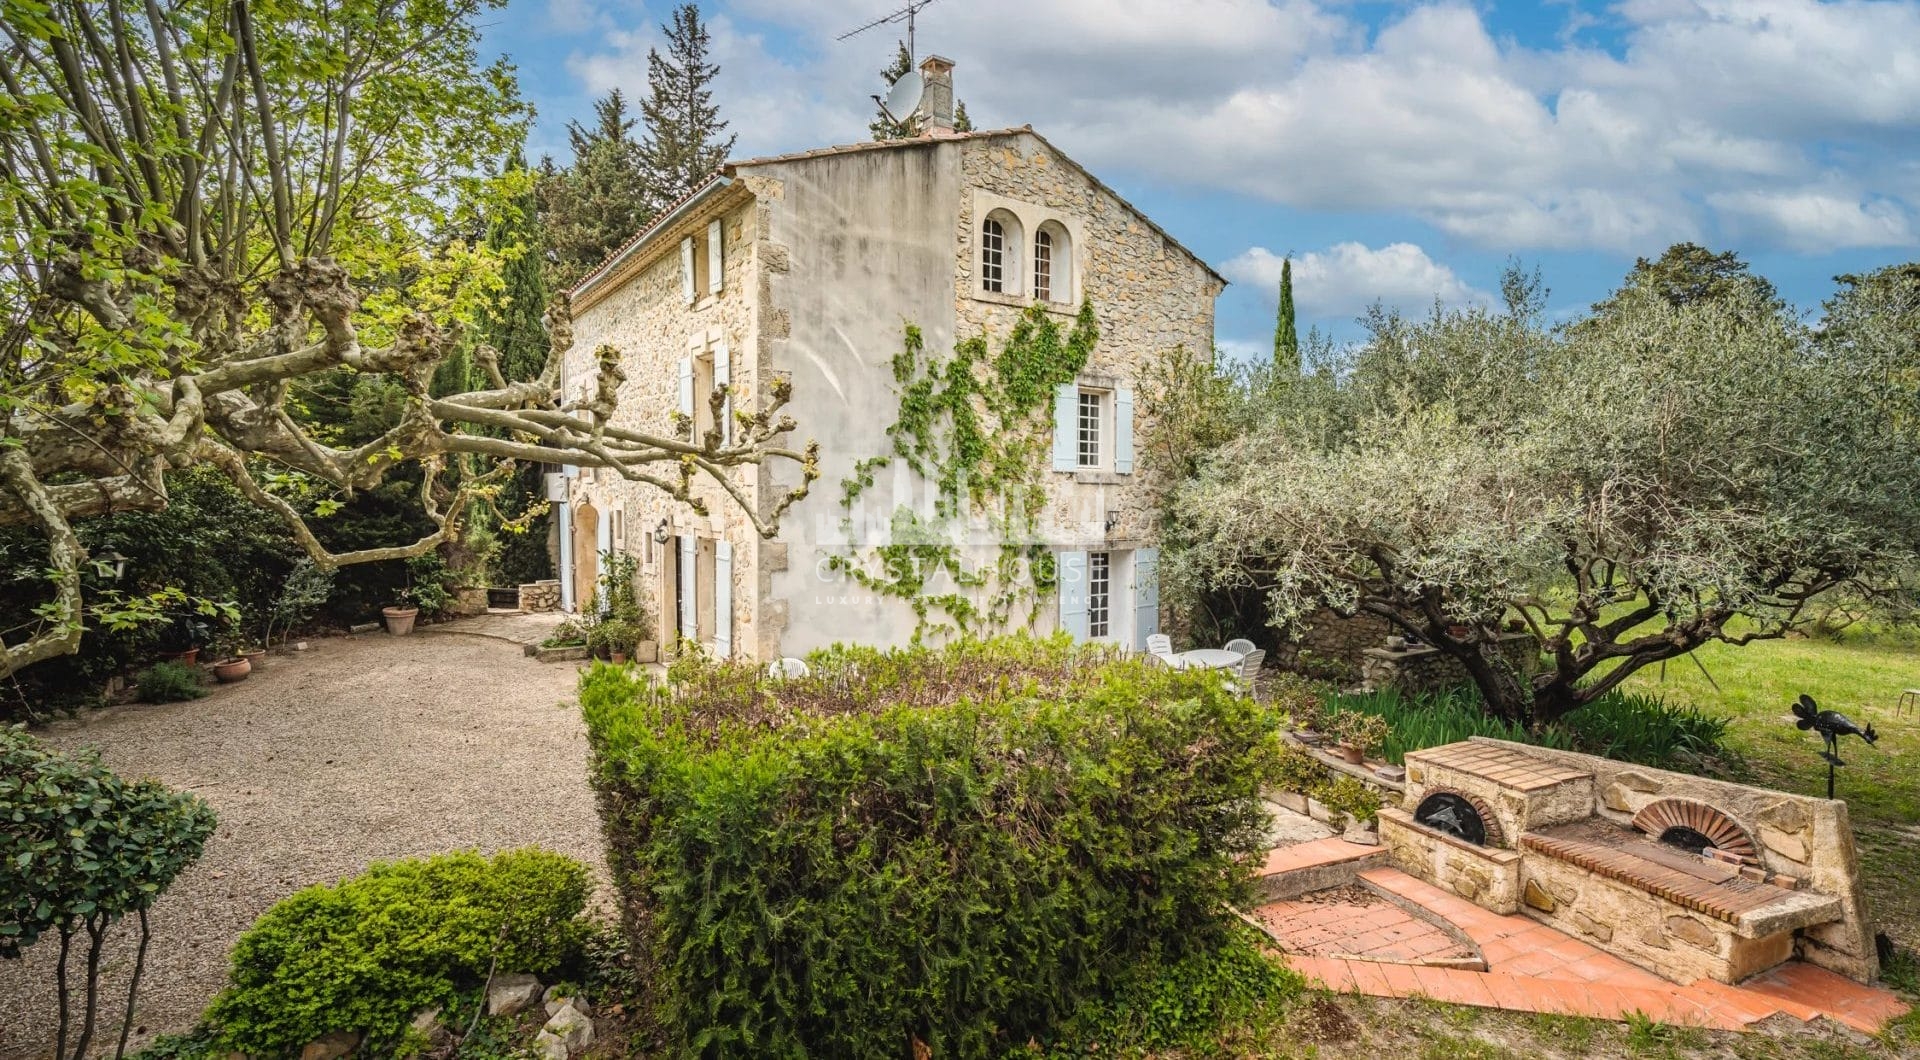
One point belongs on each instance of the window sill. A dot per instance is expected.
(1065, 309)
(1089, 477)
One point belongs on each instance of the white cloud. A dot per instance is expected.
(1816, 220)
(1712, 118)
(1344, 279)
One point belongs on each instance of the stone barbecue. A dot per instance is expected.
(1686, 877)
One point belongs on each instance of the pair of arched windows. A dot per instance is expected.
(1042, 269)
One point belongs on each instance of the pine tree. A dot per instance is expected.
(1286, 334)
(683, 145)
(600, 201)
(885, 128)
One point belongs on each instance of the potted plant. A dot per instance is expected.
(619, 637)
(1309, 715)
(184, 639)
(1357, 733)
(399, 618)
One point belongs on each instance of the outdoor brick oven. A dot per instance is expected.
(1687, 877)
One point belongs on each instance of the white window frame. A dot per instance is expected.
(1090, 431)
(1043, 243)
(993, 256)
(1100, 596)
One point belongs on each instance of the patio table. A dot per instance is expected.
(1209, 659)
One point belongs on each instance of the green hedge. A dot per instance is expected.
(963, 845)
(366, 954)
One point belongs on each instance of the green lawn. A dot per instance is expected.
(1880, 784)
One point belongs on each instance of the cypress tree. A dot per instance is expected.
(600, 201)
(512, 324)
(683, 145)
(1286, 335)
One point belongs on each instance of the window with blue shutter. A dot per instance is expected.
(723, 375)
(1066, 427)
(689, 619)
(1146, 596)
(723, 599)
(1071, 568)
(686, 269)
(1123, 431)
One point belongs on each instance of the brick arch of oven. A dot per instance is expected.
(1496, 835)
(1726, 834)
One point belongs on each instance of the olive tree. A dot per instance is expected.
(209, 206)
(1656, 477)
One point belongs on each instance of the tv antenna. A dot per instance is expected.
(904, 14)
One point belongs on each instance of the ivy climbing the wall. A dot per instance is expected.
(978, 426)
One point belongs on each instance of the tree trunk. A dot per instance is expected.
(1506, 695)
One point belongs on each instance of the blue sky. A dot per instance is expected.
(1398, 151)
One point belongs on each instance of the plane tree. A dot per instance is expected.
(210, 206)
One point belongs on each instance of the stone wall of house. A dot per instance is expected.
(1149, 295)
(643, 312)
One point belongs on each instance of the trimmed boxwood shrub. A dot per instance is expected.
(366, 954)
(963, 846)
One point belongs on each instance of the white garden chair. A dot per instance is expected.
(788, 667)
(1159, 644)
(1239, 644)
(1246, 676)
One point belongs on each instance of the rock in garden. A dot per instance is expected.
(331, 1046)
(426, 1023)
(558, 996)
(548, 1046)
(573, 1027)
(511, 993)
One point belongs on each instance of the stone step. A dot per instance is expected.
(1291, 871)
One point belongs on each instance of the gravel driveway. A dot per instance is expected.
(360, 749)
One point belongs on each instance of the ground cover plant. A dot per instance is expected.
(960, 846)
(365, 955)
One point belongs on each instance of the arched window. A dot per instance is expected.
(993, 255)
(1000, 253)
(1052, 264)
(1043, 265)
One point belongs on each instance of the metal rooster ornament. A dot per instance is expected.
(1831, 725)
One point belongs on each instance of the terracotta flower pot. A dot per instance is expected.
(255, 658)
(619, 658)
(188, 657)
(1352, 754)
(399, 619)
(227, 671)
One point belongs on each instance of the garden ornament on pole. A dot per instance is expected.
(1831, 725)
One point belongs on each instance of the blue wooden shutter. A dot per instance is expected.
(723, 599)
(1071, 568)
(722, 375)
(686, 386)
(1066, 437)
(689, 620)
(716, 274)
(686, 269)
(1123, 431)
(1146, 596)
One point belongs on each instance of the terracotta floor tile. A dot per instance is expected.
(1368, 978)
(1510, 992)
(1531, 963)
(1401, 980)
(1458, 986)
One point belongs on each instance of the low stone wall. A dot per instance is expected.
(1644, 927)
(1428, 669)
(1327, 640)
(540, 596)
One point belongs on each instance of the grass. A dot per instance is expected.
(1881, 784)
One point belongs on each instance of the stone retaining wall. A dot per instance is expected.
(540, 596)
(1428, 669)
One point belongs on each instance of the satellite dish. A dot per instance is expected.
(905, 95)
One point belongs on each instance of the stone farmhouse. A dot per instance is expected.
(808, 267)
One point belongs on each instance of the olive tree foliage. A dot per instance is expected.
(1652, 478)
(208, 207)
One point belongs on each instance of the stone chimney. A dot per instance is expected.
(935, 112)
